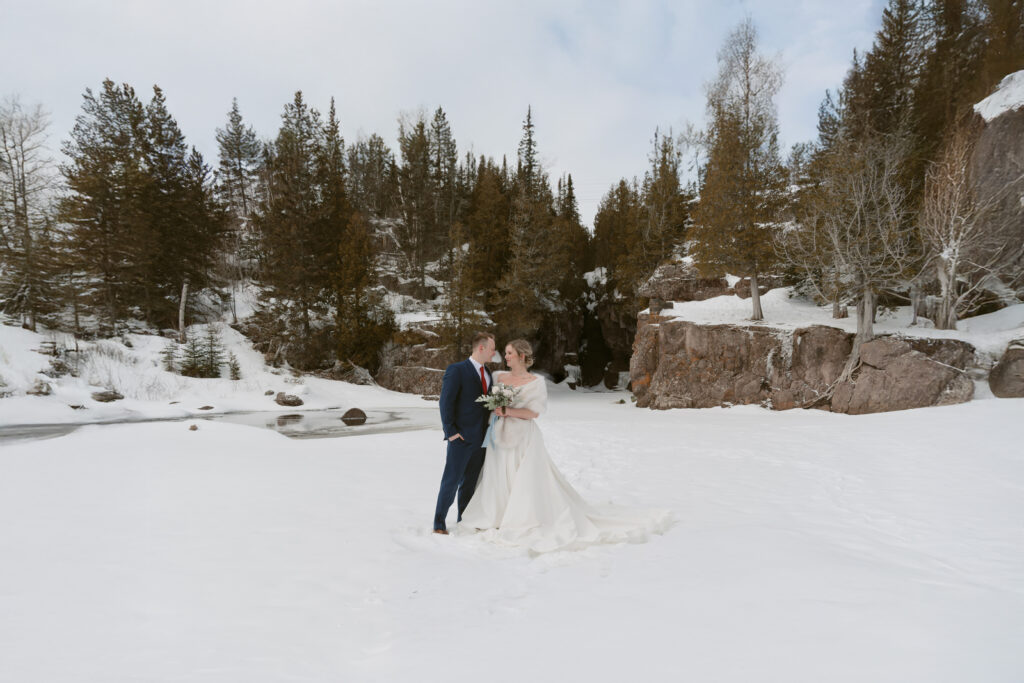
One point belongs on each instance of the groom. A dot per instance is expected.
(465, 423)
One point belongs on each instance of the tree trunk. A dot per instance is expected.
(838, 310)
(865, 332)
(112, 309)
(866, 314)
(945, 318)
(915, 299)
(755, 297)
(181, 312)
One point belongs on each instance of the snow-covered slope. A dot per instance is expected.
(150, 391)
(1008, 96)
(989, 333)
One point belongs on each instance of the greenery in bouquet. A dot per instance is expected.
(500, 395)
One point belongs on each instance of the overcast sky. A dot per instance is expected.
(599, 75)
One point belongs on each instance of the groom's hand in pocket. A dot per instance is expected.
(457, 436)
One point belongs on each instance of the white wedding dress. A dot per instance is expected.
(522, 499)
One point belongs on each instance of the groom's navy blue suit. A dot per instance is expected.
(461, 414)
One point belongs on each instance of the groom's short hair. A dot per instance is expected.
(481, 337)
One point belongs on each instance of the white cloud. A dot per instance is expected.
(599, 75)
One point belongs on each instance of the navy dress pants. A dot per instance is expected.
(461, 471)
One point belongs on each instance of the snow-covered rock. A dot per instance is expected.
(1008, 96)
(700, 354)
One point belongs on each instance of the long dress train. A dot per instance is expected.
(526, 501)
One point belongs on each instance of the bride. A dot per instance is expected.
(521, 498)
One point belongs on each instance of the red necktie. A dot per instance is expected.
(483, 380)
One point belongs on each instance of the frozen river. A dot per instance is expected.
(309, 424)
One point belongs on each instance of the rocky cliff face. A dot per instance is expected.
(414, 363)
(681, 364)
(998, 162)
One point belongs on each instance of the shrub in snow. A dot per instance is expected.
(233, 367)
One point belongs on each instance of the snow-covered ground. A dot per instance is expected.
(989, 333)
(808, 546)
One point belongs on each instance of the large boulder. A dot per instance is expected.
(682, 282)
(895, 376)
(1007, 377)
(412, 380)
(354, 417)
(288, 400)
(645, 359)
(700, 366)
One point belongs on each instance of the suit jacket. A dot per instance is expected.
(460, 413)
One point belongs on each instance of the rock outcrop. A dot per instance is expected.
(682, 364)
(412, 380)
(1007, 377)
(288, 400)
(997, 166)
(678, 281)
(895, 376)
(415, 361)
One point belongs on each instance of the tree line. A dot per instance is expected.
(137, 226)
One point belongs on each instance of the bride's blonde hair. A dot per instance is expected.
(523, 348)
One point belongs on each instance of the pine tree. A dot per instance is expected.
(212, 354)
(458, 315)
(416, 190)
(528, 288)
(240, 153)
(1004, 38)
(300, 248)
(373, 177)
(193, 359)
(528, 171)
(444, 181)
(949, 80)
(364, 323)
(106, 203)
(234, 368)
(487, 228)
(741, 190)
(169, 357)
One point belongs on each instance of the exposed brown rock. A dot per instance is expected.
(354, 417)
(290, 400)
(40, 388)
(1007, 377)
(893, 376)
(106, 396)
(412, 380)
(682, 282)
(681, 364)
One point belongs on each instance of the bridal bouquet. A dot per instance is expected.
(500, 395)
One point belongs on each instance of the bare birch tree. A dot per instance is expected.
(27, 173)
(964, 233)
(868, 224)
